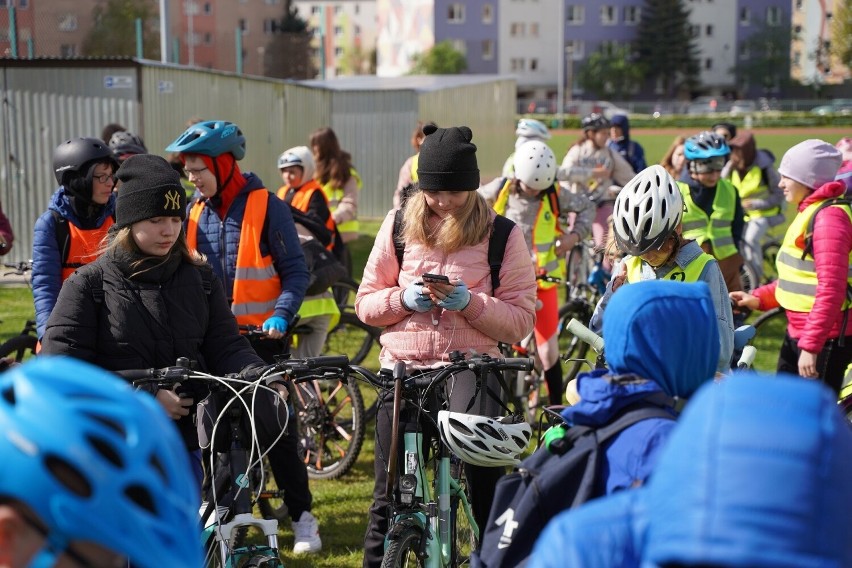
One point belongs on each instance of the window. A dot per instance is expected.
(356, 30)
(744, 51)
(797, 59)
(68, 50)
(459, 45)
(745, 16)
(488, 49)
(533, 64)
(455, 13)
(208, 8)
(316, 9)
(338, 31)
(708, 30)
(773, 16)
(243, 25)
(270, 2)
(516, 64)
(609, 15)
(695, 30)
(338, 9)
(632, 15)
(23, 4)
(487, 14)
(534, 29)
(270, 26)
(575, 49)
(517, 29)
(357, 9)
(67, 23)
(575, 15)
(338, 51)
(608, 46)
(799, 5)
(208, 38)
(708, 63)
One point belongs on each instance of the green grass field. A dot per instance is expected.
(341, 506)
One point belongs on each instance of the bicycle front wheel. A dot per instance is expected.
(771, 329)
(331, 426)
(403, 550)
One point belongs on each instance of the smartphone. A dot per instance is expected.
(435, 278)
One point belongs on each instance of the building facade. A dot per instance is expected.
(344, 35)
(811, 62)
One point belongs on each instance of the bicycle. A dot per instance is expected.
(431, 525)
(23, 345)
(224, 538)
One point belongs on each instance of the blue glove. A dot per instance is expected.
(458, 299)
(414, 299)
(277, 323)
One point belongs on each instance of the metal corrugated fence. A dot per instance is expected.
(49, 101)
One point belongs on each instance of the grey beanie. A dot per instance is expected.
(812, 163)
(447, 160)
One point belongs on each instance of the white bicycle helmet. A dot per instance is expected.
(530, 129)
(484, 441)
(298, 156)
(647, 210)
(535, 165)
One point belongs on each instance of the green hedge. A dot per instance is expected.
(768, 120)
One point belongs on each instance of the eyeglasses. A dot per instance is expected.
(104, 178)
(195, 173)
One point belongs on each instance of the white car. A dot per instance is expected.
(743, 107)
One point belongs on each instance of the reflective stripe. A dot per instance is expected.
(797, 287)
(797, 263)
(723, 241)
(249, 308)
(716, 227)
(335, 195)
(255, 273)
(692, 225)
(720, 223)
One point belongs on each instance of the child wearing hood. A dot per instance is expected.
(619, 140)
(752, 173)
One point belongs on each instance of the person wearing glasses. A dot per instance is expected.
(68, 235)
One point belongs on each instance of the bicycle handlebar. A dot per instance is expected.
(585, 334)
(747, 357)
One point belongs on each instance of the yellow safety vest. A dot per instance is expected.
(691, 273)
(335, 195)
(544, 234)
(257, 285)
(716, 228)
(751, 186)
(797, 278)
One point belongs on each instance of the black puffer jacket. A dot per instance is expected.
(147, 321)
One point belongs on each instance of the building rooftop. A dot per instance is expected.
(403, 83)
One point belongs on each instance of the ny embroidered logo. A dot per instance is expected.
(172, 200)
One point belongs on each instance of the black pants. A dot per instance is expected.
(481, 481)
(831, 361)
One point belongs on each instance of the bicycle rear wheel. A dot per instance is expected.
(465, 541)
(771, 329)
(748, 277)
(351, 337)
(576, 268)
(19, 347)
(331, 426)
(403, 550)
(770, 254)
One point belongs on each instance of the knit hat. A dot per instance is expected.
(813, 163)
(150, 187)
(447, 160)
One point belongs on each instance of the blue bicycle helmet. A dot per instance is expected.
(704, 146)
(96, 462)
(211, 138)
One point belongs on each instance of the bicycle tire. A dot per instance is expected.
(771, 327)
(18, 347)
(344, 292)
(465, 542)
(403, 550)
(270, 507)
(351, 337)
(748, 277)
(770, 254)
(330, 417)
(576, 268)
(571, 347)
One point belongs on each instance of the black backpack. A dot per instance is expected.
(545, 484)
(496, 244)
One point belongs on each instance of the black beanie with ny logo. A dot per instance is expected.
(150, 187)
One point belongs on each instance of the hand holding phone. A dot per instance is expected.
(435, 279)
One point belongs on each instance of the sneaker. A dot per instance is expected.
(306, 533)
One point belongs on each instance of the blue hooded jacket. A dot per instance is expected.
(661, 331)
(631, 151)
(47, 261)
(756, 475)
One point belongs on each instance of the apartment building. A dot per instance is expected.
(344, 35)
(811, 61)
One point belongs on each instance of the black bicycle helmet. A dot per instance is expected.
(124, 144)
(595, 121)
(76, 155)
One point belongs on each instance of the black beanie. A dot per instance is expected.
(150, 187)
(447, 160)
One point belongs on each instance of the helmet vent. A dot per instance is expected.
(68, 476)
(106, 450)
(141, 497)
(9, 395)
(460, 427)
(480, 444)
(490, 431)
(503, 450)
(155, 463)
(111, 424)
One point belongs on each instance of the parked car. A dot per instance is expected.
(837, 106)
(742, 107)
(702, 105)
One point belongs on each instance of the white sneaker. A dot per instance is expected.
(306, 533)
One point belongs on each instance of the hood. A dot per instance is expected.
(756, 474)
(62, 201)
(744, 141)
(764, 158)
(621, 121)
(664, 331)
(827, 191)
(602, 397)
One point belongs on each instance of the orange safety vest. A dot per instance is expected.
(257, 285)
(83, 246)
(301, 200)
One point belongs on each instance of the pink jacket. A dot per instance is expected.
(832, 243)
(425, 339)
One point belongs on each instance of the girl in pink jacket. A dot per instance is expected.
(814, 277)
(446, 228)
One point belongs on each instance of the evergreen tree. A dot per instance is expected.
(288, 53)
(114, 30)
(666, 50)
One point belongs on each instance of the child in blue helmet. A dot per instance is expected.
(713, 215)
(93, 473)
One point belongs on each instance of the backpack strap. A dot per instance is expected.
(497, 248)
(809, 231)
(398, 245)
(63, 235)
(628, 417)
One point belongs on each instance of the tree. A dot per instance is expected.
(114, 30)
(768, 63)
(610, 72)
(441, 59)
(841, 35)
(666, 50)
(358, 61)
(288, 53)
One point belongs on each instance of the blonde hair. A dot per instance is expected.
(467, 226)
(124, 239)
